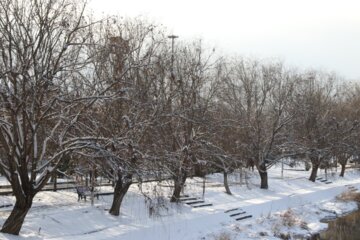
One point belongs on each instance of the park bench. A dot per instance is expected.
(83, 192)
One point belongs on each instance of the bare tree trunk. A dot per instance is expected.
(226, 184)
(246, 179)
(92, 181)
(120, 190)
(177, 190)
(179, 183)
(54, 181)
(264, 180)
(241, 176)
(16, 219)
(315, 167)
(342, 170)
(326, 172)
(263, 176)
(86, 180)
(204, 186)
(198, 170)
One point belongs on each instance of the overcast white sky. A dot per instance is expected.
(321, 34)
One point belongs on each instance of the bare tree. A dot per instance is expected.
(259, 95)
(220, 144)
(125, 58)
(41, 58)
(312, 126)
(345, 124)
(184, 99)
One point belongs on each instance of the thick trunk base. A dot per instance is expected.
(16, 219)
(54, 181)
(226, 184)
(313, 174)
(178, 186)
(263, 176)
(176, 194)
(342, 173)
(264, 179)
(120, 191)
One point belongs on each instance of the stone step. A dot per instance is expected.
(202, 205)
(244, 217)
(104, 194)
(237, 214)
(230, 210)
(187, 199)
(6, 205)
(195, 202)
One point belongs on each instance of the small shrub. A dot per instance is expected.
(288, 218)
(349, 196)
(157, 207)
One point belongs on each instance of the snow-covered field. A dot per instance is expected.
(292, 205)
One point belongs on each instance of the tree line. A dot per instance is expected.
(118, 95)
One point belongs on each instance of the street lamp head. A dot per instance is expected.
(173, 36)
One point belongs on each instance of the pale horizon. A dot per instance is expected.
(318, 34)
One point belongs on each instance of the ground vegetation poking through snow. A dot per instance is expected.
(291, 208)
(300, 222)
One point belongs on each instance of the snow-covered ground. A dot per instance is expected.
(291, 205)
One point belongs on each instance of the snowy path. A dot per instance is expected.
(186, 226)
(79, 221)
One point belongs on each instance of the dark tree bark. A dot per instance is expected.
(121, 187)
(343, 159)
(177, 190)
(16, 219)
(264, 180)
(179, 182)
(250, 164)
(226, 183)
(263, 176)
(54, 181)
(342, 173)
(199, 170)
(86, 180)
(315, 167)
(24, 194)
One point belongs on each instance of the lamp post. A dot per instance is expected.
(172, 37)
